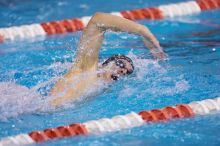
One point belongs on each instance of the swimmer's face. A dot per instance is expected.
(117, 68)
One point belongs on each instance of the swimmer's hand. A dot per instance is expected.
(157, 52)
(151, 42)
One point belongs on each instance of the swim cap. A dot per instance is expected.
(116, 57)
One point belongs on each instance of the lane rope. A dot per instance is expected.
(72, 25)
(116, 123)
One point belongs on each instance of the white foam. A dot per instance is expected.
(154, 78)
(144, 67)
(16, 99)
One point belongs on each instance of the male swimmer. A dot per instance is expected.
(88, 55)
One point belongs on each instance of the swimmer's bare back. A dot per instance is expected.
(88, 54)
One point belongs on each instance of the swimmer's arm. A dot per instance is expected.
(116, 23)
(92, 37)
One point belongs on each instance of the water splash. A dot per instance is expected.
(153, 79)
(16, 99)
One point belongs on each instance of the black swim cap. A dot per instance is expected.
(116, 57)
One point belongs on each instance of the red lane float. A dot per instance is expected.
(76, 24)
(1, 39)
(139, 14)
(59, 132)
(116, 123)
(167, 113)
(59, 27)
(208, 4)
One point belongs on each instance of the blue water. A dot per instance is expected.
(192, 72)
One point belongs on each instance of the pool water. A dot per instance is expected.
(191, 72)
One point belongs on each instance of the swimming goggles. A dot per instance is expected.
(122, 65)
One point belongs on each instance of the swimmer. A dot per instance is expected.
(88, 54)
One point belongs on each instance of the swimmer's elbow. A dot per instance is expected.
(99, 14)
(97, 17)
